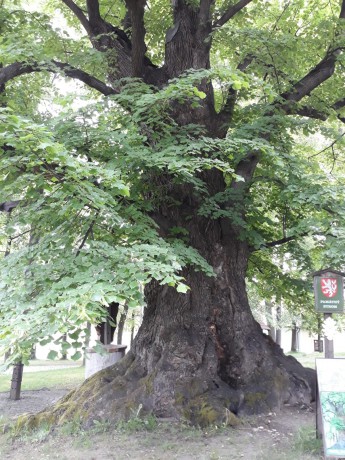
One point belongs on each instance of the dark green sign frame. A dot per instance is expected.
(329, 292)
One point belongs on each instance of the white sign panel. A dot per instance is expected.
(331, 383)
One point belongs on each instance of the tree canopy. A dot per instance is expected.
(131, 130)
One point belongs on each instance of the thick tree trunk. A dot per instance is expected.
(197, 355)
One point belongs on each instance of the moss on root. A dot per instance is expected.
(118, 392)
(199, 412)
(147, 383)
(203, 412)
(29, 422)
(255, 400)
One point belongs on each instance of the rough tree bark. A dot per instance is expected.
(198, 355)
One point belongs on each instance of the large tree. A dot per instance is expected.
(184, 170)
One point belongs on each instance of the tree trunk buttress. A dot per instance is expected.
(197, 355)
(206, 353)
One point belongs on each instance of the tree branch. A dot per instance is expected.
(339, 104)
(230, 12)
(226, 113)
(89, 230)
(320, 73)
(328, 147)
(85, 77)
(21, 68)
(93, 12)
(137, 10)
(8, 206)
(287, 239)
(79, 14)
(204, 11)
(104, 37)
(310, 112)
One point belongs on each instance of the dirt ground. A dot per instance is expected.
(286, 435)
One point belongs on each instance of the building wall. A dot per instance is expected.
(42, 352)
(306, 341)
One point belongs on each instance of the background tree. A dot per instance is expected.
(182, 171)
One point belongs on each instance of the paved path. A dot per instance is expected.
(32, 368)
(46, 367)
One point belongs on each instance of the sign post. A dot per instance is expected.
(329, 345)
(329, 291)
(329, 298)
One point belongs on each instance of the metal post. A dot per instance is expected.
(107, 333)
(318, 414)
(329, 347)
(17, 376)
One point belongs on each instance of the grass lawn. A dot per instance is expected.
(70, 377)
(308, 360)
(57, 378)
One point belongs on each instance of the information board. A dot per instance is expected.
(331, 385)
(329, 293)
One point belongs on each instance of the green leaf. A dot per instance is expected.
(183, 288)
(52, 354)
(77, 355)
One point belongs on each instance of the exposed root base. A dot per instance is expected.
(116, 393)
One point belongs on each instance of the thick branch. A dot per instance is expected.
(230, 12)
(93, 12)
(20, 68)
(339, 104)
(79, 14)
(7, 206)
(310, 112)
(137, 10)
(319, 74)
(85, 77)
(105, 37)
(205, 11)
(285, 240)
(246, 168)
(225, 115)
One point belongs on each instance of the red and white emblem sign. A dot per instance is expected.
(329, 287)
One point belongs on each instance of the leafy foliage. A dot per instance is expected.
(90, 171)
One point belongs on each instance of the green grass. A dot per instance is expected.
(74, 375)
(57, 378)
(308, 359)
(53, 362)
(305, 442)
